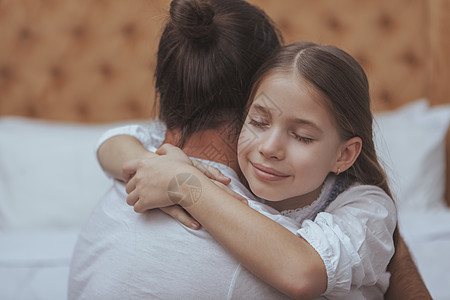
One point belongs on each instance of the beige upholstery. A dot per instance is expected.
(93, 60)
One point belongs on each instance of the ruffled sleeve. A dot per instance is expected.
(150, 134)
(354, 239)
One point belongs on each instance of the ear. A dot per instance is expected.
(349, 153)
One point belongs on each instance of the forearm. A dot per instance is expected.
(117, 150)
(264, 247)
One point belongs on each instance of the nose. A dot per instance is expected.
(271, 145)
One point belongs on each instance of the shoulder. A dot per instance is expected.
(371, 205)
(354, 237)
(363, 196)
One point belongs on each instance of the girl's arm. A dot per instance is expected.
(331, 255)
(266, 248)
(115, 151)
(270, 251)
(120, 145)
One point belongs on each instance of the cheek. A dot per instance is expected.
(313, 162)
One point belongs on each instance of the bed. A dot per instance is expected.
(69, 70)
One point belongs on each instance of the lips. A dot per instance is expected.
(268, 174)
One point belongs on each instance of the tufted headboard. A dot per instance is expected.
(93, 60)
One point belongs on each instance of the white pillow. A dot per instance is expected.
(411, 143)
(50, 179)
(49, 175)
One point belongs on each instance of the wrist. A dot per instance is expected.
(185, 188)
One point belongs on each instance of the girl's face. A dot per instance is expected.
(289, 142)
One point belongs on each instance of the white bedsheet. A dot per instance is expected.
(35, 265)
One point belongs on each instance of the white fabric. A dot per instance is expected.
(35, 265)
(121, 254)
(124, 255)
(354, 238)
(310, 211)
(49, 178)
(411, 143)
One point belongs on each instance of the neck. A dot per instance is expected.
(296, 202)
(216, 145)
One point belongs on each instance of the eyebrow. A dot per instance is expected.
(299, 121)
(262, 109)
(307, 123)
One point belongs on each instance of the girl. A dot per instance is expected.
(307, 149)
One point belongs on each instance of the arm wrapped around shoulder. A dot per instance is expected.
(354, 237)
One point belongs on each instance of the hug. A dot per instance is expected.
(260, 178)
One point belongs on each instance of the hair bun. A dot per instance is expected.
(193, 18)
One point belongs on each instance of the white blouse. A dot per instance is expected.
(353, 233)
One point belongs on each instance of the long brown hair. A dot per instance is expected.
(207, 55)
(345, 89)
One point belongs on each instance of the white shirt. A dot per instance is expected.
(121, 254)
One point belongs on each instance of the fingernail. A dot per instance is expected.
(225, 177)
(195, 226)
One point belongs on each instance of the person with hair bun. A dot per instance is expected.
(203, 97)
(207, 55)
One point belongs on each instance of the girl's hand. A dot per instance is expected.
(211, 172)
(148, 187)
(147, 179)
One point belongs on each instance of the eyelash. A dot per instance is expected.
(302, 139)
(256, 123)
(296, 136)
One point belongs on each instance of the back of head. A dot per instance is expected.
(207, 55)
(342, 82)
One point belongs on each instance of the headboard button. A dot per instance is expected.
(385, 96)
(129, 29)
(106, 70)
(409, 58)
(334, 24)
(6, 73)
(25, 34)
(385, 22)
(56, 72)
(79, 31)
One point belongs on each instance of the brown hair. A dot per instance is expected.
(207, 55)
(343, 83)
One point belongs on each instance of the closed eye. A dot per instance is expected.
(257, 123)
(302, 139)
